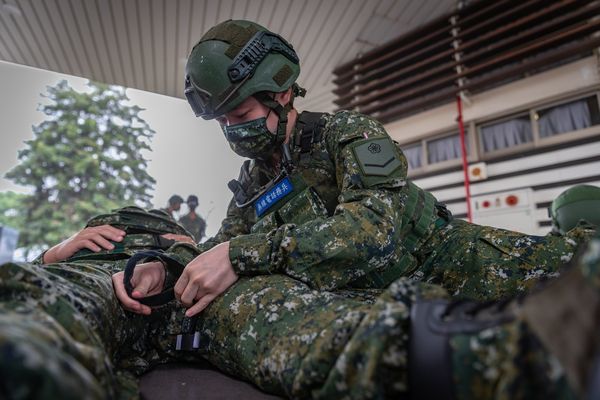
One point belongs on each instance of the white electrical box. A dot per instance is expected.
(512, 209)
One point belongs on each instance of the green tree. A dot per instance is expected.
(85, 159)
(11, 213)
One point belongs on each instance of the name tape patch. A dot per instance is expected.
(272, 196)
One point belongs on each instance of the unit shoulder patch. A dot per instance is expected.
(377, 156)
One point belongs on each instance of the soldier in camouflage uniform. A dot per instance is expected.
(193, 222)
(63, 333)
(173, 205)
(324, 200)
(320, 282)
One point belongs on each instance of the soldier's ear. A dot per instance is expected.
(285, 97)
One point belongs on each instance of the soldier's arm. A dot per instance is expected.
(94, 238)
(361, 237)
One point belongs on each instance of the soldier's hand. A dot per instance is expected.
(94, 238)
(148, 279)
(206, 277)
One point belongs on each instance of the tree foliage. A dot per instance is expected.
(11, 213)
(85, 159)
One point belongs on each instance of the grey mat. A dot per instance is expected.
(198, 382)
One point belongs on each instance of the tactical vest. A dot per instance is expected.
(143, 231)
(287, 198)
(422, 214)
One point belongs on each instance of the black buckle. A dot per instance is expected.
(442, 211)
(239, 194)
(189, 338)
(188, 341)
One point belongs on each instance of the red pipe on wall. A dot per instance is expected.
(463, 150)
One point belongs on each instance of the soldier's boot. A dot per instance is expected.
(543, 345)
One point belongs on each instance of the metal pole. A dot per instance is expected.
(463, 150)
(460, 83)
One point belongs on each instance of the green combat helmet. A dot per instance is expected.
(235, 60)
(581, 202)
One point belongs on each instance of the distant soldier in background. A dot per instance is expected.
(194, 223)
(174, 205)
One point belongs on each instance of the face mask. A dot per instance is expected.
(251, 139)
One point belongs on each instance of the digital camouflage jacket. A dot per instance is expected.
(353, 219)
(345, 222)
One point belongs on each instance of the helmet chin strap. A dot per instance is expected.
(280, 135)
(282, 114)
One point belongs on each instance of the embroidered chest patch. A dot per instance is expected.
(273, 196)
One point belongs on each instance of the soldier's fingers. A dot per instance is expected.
(181, 284)
(200, 305)
(100, 241)
(191, 292)
(110, 228)
(88, 244)
(127, 302)
(111, 233)
(144, 309)
(141, 288)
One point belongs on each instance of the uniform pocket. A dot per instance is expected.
(304, 207)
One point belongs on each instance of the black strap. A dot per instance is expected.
(311, 124)
(171, 264)
(430, 354)
(239, 194)
(432, 324)
(281, 111)
(240, 186)
(594, 380)
(189, 338)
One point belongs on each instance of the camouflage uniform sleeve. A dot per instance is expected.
(362, 234)
(183, 252)
(39, 260)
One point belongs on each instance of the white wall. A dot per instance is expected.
(541, 88)
(556, 84)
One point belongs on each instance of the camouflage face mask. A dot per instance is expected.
(251, 139)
